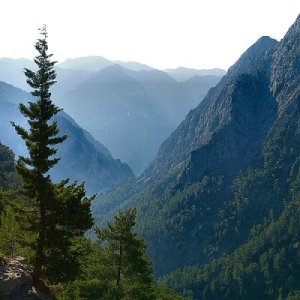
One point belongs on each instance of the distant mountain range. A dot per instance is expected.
(221, 199)
(97, 63)
(181, 74)
(132, 112)
(128, 106)
(83, 158)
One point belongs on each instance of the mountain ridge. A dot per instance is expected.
(226, 167)
(92, 164)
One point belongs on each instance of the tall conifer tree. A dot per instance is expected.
(53, 203)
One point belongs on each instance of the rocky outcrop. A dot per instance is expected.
(236, 99)
(16, 282)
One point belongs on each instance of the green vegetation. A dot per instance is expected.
(224, 181)
(265, 267)
(60, 213)
(115, 267)
(45, 222)
(127, 259)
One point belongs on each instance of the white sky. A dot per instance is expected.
(160, 33)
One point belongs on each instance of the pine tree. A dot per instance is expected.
(7, 166)
(46, 197)
(126, 253)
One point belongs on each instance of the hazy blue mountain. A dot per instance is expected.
(97, 63)
(132, 112)
(132, 65)
(132, 119)
(67, 80)
(231, 164)
(198, 86)
(87, 63)
(83, 158)
(182, 74)
(11, 71)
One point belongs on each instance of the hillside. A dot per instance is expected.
(269, 259)
(230, 165)
(83, 158)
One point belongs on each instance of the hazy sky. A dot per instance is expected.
(160, 33)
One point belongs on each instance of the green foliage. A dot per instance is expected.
(294, 295)
(39, 140)
(68, 219)
(81, 290)
(55, 214)
(7, 165)
(125, 254)
(264, 267)
(8, 175)
(10, 233)
(97, 278)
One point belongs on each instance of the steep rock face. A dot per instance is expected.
(252, 56)
(231, 148)
(227, 165)
(214, 111)
(83, 158)
(285, 81)
(16, 282)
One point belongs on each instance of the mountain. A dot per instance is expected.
(223, 176)
(181, 74)
(197, 86)
(87, 63)
(97, 63)
(132, 65)
(67, 80)
(132, 112)
(11, 71)
(83, 158)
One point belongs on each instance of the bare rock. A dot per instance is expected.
(16, 281)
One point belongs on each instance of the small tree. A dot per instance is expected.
(127, 257)
(7, 167)
(10, 232)
(46, 197)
